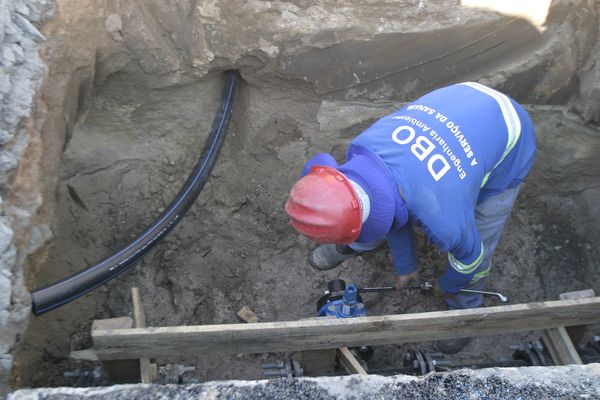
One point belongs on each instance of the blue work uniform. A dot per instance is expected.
(447, 152)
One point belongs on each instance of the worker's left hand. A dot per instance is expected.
(403, 280)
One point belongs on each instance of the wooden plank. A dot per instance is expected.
(140, 322)
(247, 315)
(112, 323)
(577, 294)
(138, 311)
(324, 333)
(350, 363)
(121, 370)
(577, 333)
(560, 346)
(84, 355)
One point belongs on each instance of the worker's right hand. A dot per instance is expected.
(403, 280)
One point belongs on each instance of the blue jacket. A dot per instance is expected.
(446, 152)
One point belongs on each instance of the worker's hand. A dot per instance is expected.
(403, 280)
(439, 292)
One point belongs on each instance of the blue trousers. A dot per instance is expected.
(491, 216)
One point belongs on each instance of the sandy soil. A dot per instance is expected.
(131, 152)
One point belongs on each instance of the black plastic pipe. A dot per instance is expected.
(70, 288)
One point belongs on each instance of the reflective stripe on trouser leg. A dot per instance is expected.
(490, 216)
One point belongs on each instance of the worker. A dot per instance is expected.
(452, 162)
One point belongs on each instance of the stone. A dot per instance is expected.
(6, 361)
(28, 28)
(4, 82)
(8, 57)
(247, 315)
(8, 258)
(3, 318)
(40, 234)
(5, 136)
(21, 73)
(588, 102)
(7, 337)
(5, 290)
(8, 162)
(22, 8)
(114, 26)
(6, 235)
(535, 383)
(17, 53)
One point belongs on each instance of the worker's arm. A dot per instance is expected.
(463, 260)
(400, 242)
(323, 159)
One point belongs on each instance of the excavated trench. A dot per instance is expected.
(134, 143)
(131, 152)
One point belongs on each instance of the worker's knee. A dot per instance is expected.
(482, 272)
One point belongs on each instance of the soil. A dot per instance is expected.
(132, 150)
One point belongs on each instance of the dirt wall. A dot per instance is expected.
(128, 97)
(21, 74)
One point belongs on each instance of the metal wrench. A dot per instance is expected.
(429, 286)
(500, 296)
(422, 286)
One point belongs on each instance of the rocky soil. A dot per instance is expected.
(573, 382)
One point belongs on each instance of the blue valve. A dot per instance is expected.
(348, 306)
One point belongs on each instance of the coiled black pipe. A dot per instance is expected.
(70, 288)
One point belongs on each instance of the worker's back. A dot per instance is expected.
(450, 150)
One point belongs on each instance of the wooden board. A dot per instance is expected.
(578, 294)
(138, 311)
(118, 370)
(112, 323)
(561, 341)
(560, 346)
(577, 333)
(326, 333)
(84, 355)
(350, 363)
(247, 315)
(140, 322)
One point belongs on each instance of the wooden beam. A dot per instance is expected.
(138, 311)
(577, 333)
(577, 294)
(112, 323)
(560, 341)
(140, 322)
(118, 370)
(84, 355)
(247, 315)
(560, 346)
(326, 333)
(350, 363)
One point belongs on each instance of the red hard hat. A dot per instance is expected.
(324, 207)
